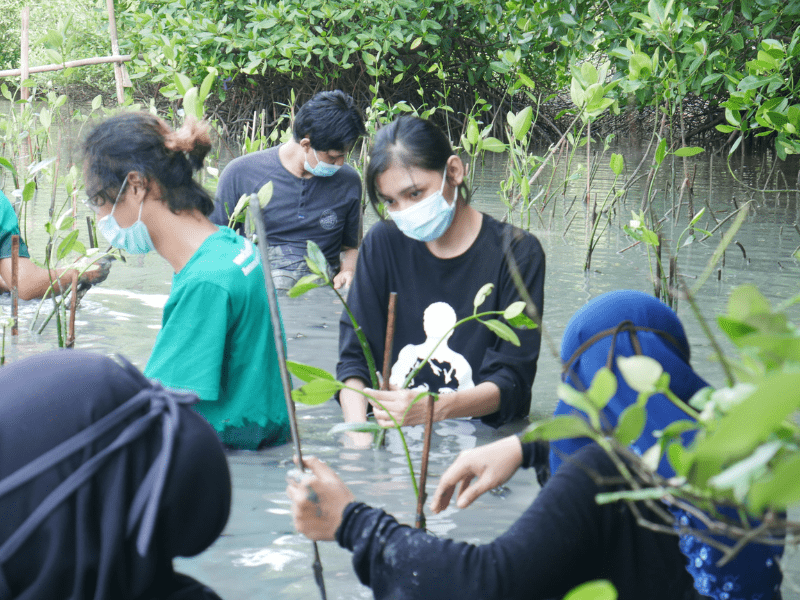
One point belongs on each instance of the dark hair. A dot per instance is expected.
(331, 120)
(410, 142)
(140, 142)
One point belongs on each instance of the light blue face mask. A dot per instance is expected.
(322, 169)
(428, 219)
(134, 239)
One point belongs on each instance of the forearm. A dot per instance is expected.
(354, 405)
(33, 281)
(483, 399)
(348, 259)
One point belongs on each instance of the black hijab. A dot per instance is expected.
(105, 476)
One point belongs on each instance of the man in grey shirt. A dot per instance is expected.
(315, 196)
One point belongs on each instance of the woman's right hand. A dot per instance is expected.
(492, 464)
(318, 500)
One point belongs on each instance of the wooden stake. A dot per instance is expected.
(387, 348)
(15, 284)
(73, 303)
(423, 475)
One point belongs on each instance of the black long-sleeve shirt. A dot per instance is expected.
(432, 294)
(564, 539)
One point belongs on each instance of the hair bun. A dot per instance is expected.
(192, 135)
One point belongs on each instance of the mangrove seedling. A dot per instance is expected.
(321, 385)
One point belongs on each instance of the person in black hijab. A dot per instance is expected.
(105, 477)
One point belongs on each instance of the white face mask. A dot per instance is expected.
(428, 219)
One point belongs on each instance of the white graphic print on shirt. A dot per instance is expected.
(447, 370)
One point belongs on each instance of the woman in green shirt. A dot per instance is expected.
(216, 336)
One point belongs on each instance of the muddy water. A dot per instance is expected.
(259, 555)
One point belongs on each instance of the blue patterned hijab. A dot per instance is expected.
(651, 328)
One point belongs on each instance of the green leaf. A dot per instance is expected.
(265, 194)
(617, 164)
(743, 469)
(557, 428)
(522, 122)
(747, 300)
(67, 244)
(491, 144)
(307, 372)
(303, 285)
(688, 151)
(599, 589)
(191, 104)
(4, 162)
(316, 261)
(603, 388)
(779, 490)
(747, 424)
(661, 151)
(205, 87)
(514, 309)
(364, 427)
(734, 329)
(631, 424)
(522, 321)
(641, 373)
(503, 331)
(482, 294)
(317, 391)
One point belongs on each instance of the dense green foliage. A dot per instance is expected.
(60, 31)
(745, 451)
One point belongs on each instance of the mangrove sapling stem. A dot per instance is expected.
(399, 431)
(423, 470)
(73, 303)
(707, 331)
(277, 333)
(14, 285)
(362, 338)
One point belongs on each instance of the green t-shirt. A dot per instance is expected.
(216, 340)
(9, 226)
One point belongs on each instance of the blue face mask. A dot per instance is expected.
(428, 219)
(134, 239)
(322, 169)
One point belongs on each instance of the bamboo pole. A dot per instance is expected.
(98, 60)
(277, 332)
(118, 70)
(15, 284)
(73, 303)
(24, 74)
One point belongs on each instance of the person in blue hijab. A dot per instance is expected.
(105, 476)
(626, 323)
(564, 538)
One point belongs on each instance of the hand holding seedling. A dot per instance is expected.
(403, 405)
(318, 500)
(493, 465)
(343, 279)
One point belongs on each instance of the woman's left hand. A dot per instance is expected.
(343, 279)
(396, 402)
(318, 500)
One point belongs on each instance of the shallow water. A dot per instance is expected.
(259, 555)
